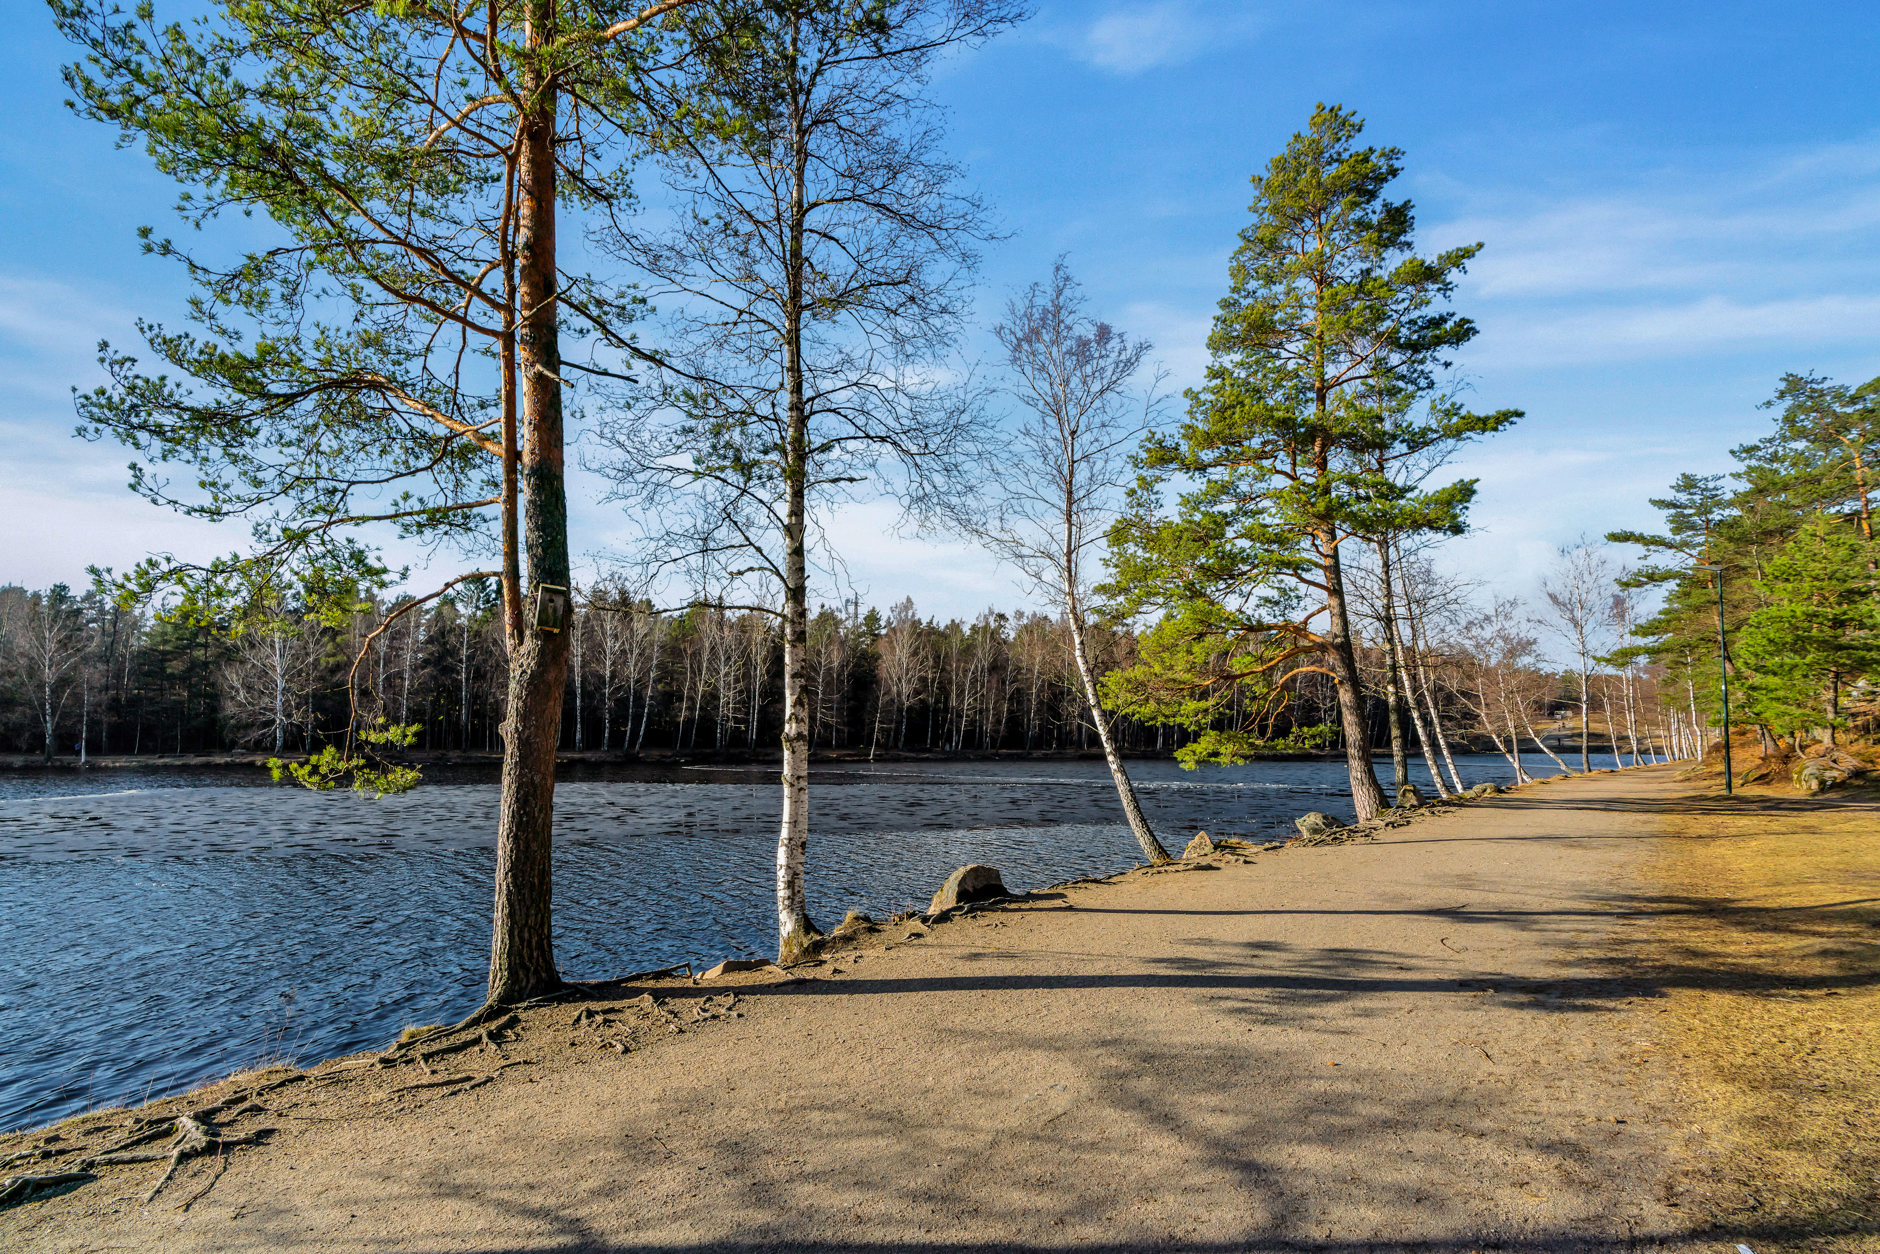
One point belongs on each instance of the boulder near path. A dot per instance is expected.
(1434, 1041)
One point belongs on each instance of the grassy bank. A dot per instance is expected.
(1774, 928)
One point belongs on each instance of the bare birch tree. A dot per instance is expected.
(1052, 492)
(1578, 589)
(43, 638)
(262, 681)
(811, 284)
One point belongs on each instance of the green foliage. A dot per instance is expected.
(1318, 423)
(367, 774)
(1818, 629)
(1791, 530)
(1197, 669)
(347, 368)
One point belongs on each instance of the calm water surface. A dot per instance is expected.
(161, 928)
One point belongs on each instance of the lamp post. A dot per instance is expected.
(1723, 677)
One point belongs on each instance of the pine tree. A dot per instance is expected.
(1819, 630)
(390, 353)
(1332, 328)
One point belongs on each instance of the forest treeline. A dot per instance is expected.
(81, 670)
(1771, 571)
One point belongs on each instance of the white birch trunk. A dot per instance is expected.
(1125, 791)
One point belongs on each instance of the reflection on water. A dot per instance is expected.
(153, 936)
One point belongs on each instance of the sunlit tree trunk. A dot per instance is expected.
(1367, 797)
(522, 955)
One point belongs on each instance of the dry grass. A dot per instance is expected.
(1779, 934)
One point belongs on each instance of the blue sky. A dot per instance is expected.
(1678, 201)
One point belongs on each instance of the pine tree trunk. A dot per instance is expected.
(1367, 798)
(522, 955)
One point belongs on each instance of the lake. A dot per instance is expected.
(161, 928)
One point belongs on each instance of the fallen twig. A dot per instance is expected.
(221, 1165)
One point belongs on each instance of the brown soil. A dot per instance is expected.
(1468, 1034)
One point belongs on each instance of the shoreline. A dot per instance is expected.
(594, 758)
(1443, 1035)
(1235, 851)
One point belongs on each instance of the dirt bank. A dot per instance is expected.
(1453, 1038)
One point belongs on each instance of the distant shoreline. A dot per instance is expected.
(68, 763)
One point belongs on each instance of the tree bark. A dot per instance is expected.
(522, 955)
(1395, 679)
(1125, 791)
(1612, 732)
(1542, 745)
(796, 934)
(1586, 758)
(1367, 797)
(1422, 689)
(1520, 776)
(1423, 735)
(1520, 771)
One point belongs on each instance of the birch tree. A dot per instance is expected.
(262, 681)
(811, 285)
(43, 638)
(1053, 487)
(1578, 589)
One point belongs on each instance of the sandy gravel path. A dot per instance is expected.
(1429, 1041)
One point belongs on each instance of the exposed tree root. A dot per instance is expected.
(466, 1081)
(654, 974)
(486, 1036)
(193, 1136)
(439, 1083)
(488, 1019)
(18, 1188)
(38, 1155)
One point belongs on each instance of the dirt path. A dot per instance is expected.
(1437, 1040)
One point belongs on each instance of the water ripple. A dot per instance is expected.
(152, 937)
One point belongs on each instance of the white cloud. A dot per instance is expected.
(1133, 39)
(1770, 251)
(1179, 337)
(1708, 324)
(1641, 241)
